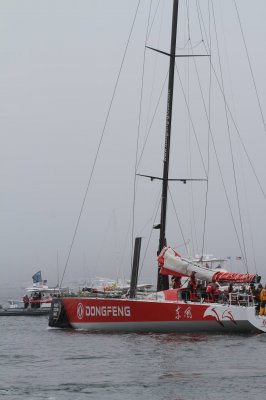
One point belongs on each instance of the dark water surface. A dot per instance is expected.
(41, 363)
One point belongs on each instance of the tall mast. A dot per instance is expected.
(163, 280)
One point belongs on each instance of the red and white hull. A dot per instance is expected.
(142, 315)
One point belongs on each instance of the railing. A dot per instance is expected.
(241, 299)
(234, 298)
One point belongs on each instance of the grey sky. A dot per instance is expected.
(59, 63)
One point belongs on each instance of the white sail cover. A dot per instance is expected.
(172, 263)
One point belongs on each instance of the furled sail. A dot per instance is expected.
(172, 263)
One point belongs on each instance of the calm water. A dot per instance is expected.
(41, 363)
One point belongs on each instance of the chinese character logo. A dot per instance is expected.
(188, 313)
(177, 316)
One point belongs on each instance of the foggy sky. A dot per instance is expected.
(59, 63)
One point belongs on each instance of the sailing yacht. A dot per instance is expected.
(183, 309)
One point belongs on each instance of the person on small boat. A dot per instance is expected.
(26, 301)
(36, 297)
(263, 300)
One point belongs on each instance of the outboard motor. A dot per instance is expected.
(58, 317)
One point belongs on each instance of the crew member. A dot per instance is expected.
(209, 291)
(262, 300)
(176, 282)
(192, 285)
(258, 291)
(192, 282)
(199, 289)
(213, 291)
(216, 292)
(230, 288)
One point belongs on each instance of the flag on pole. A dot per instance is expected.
(37, 277)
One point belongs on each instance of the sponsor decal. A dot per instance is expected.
(228, 315)
(219, 315)
(187, 313)
(80, 311)
(108, 311)
(177, 313)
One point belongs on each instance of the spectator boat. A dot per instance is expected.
(37, 301)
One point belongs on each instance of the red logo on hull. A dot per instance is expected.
(80, 311)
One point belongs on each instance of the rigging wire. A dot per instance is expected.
(250, 67)
(191, 120)
(100, 142)
(122, 256)
(147, 223)
(153, 19)
(154, 73)
(184, 46)
(193, 216)
(138, 136)
(247, 214)
(202, 26)
(249, 222)
(192, 124)
(189, 42)
(201, 30)
(146, 139)
(156, 209)
(218, 162)
(209, 129)
(152, 120)
(211, 135)
(178, 221)
(177, 47)
(233, 120)
(231, 115)
(230, 142)
(239, 136)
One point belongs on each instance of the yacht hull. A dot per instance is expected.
(124, 315)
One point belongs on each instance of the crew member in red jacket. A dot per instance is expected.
(176, 282)
(213, 291)
(192, 282)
